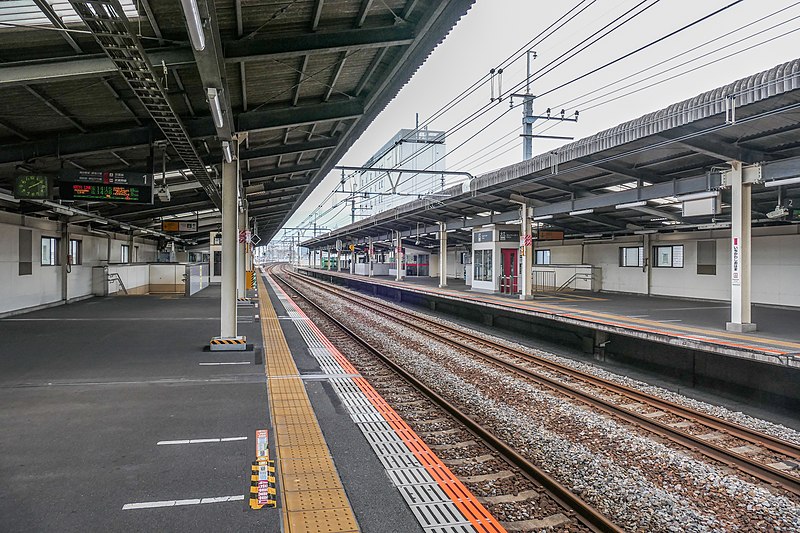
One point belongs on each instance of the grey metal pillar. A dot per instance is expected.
(328, 254)
(442, 255)
(64, 259)
(526, 251)
(229, 249)
(353, 262)
(741, 241)
(240, 253)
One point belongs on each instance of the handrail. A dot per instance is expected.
(115, 277)
(582, 276)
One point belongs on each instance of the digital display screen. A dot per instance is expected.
(133, 194)
(118, 187)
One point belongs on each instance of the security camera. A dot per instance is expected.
(779, 212)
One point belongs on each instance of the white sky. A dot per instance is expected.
(494, 29)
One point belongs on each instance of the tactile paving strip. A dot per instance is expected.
(311, 492)
(440, 503)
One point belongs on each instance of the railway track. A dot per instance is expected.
(760, 455)
(575, 509)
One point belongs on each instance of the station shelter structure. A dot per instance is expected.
(699, 200)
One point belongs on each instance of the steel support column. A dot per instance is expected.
(241, 291)
(229, 242)
(740, 252)
(442, 255)
(398, 257)
(526, 251)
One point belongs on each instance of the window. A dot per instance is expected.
(49, 251)
(75, 257)
(483, 265)
(125, 253)
(668, 256)
(631, 256)
(542, 257)
(707, 258)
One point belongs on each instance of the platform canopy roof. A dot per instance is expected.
(118, 85)
(629, 178)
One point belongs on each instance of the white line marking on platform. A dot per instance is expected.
(671, 320)
(694, 308)
(199, 441)
(226, 363)
(105, 319)
(173, 503)
(636, 316)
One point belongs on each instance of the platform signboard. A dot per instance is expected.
(176, 226)
(96, 186)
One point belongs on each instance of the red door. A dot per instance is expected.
(509, 269)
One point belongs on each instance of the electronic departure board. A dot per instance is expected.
(118, 187)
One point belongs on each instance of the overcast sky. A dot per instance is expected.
(494, 29)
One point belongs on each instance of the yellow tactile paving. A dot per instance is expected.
(312, 493)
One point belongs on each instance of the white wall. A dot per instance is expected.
(775, 266)
(43, 285)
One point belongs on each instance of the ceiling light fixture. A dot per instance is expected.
(226, 149)
(778, 183)
(543, 217)
(629, 205)
(216, 107)
(581, 212)
(194, 24)
(697, 196)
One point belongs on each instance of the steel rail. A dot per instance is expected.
(760, 471)
(583, 511)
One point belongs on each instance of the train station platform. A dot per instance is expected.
(117, 417)
(687, 323)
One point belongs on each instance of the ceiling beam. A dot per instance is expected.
(56, 21)
(49, 102)
(714, 146)
(317, 14)
(198, 128)
(260, 48)
(279, 171)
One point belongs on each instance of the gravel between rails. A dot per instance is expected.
(765, 426)
(642, 483)
(456, 446)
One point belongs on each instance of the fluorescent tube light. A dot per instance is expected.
(216, 107)
(592, 235)
(226, 149)
(697, 196)
(645, 231)
(632, 204)
(778, 183)
(543, 217)
(194, 24)
(581, 212)
(715, 225)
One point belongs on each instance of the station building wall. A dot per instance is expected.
(775, 265)
(42, 287)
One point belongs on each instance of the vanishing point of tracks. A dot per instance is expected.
(583, 512)
(752, 452)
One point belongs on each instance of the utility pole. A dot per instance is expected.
(528, 118)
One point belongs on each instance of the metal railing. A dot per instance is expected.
(578, 276)
(115, 278)
(509, 284)
(544, 280)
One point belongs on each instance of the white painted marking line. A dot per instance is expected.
(173, 503)
(672, 320)
(199, 441)
(636, 316)
(227, 363)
